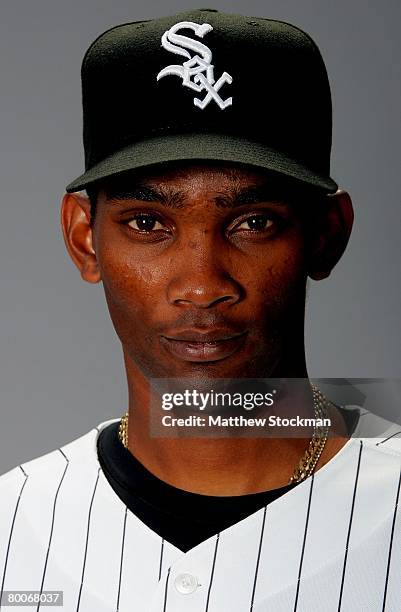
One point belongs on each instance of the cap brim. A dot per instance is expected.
(216, 147)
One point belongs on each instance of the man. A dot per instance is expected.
(208, 205)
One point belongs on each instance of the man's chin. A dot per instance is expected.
(229, 368)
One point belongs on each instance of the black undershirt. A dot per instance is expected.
(182, 518)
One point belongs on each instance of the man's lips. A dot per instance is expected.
(205, 345)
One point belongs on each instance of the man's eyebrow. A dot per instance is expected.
(172, 198)
(255, 194)
(168, 197)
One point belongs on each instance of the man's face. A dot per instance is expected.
(204, 271)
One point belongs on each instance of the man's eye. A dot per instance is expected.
(256, 223)
(145, 223)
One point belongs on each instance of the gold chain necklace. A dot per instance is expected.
(123, 430)
(312, 454)
(318, 441)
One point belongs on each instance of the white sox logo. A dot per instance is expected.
(198, 71)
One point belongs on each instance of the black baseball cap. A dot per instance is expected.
(206, 85)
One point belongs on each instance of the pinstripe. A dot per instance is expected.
(121, 560)
(303, 543)
(11, 532)
(161, 559)
(391, 543)
(258, 558)
(389, 438)
(349, 526)
(165, 590)
(212, 572)
(87, 540)
(52, 525)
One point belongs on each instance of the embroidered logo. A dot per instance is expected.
(198, 71)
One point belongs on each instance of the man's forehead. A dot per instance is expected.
(190, 171)
(230, 192)
(235, 179)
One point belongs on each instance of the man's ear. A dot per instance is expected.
(333, 235)
(78, 236)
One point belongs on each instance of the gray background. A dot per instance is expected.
(61, 369)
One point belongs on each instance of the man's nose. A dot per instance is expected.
(202, 280)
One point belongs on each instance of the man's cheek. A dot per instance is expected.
(281, 290)
(128, 283)
(128, 307)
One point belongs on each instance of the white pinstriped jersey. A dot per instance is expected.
(333, 543)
